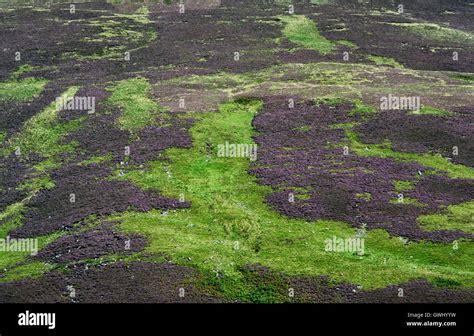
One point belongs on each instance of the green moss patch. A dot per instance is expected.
(138, 110)
(403, 185)
(438, 33)
(429, 160)
(42, 132)
(387, 61)
(303, 31)
(433, 111)
(21, 90)
(456, 217)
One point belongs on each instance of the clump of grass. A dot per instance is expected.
(341, 125)
(331, 101)
(305, 128)
(407, 201)
(33, 269)
(467, 77)
(112, 29)
(403, 185)
(21, 90)
(436, 32)
(115, 32)
(456, 217)
(435, 161)
(138, 110)
(11, 217)
(330, 77)
(303, 31)
(140, 16)
(42, 132)
(347, 43)
(37, 183)
(433, 111)
(118, 32)
(22, 69)
(365, 196)
(97, 159)
(361, 109)
(114, 52)
(18, 265)
(303, 197)
(322, 2)
(46, 165)
(388, 61)
(252, 286)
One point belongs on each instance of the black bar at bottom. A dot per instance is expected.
(131, 319)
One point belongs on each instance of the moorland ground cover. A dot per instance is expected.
(132, 203)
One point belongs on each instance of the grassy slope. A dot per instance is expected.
(229, 224)
(39, 135)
